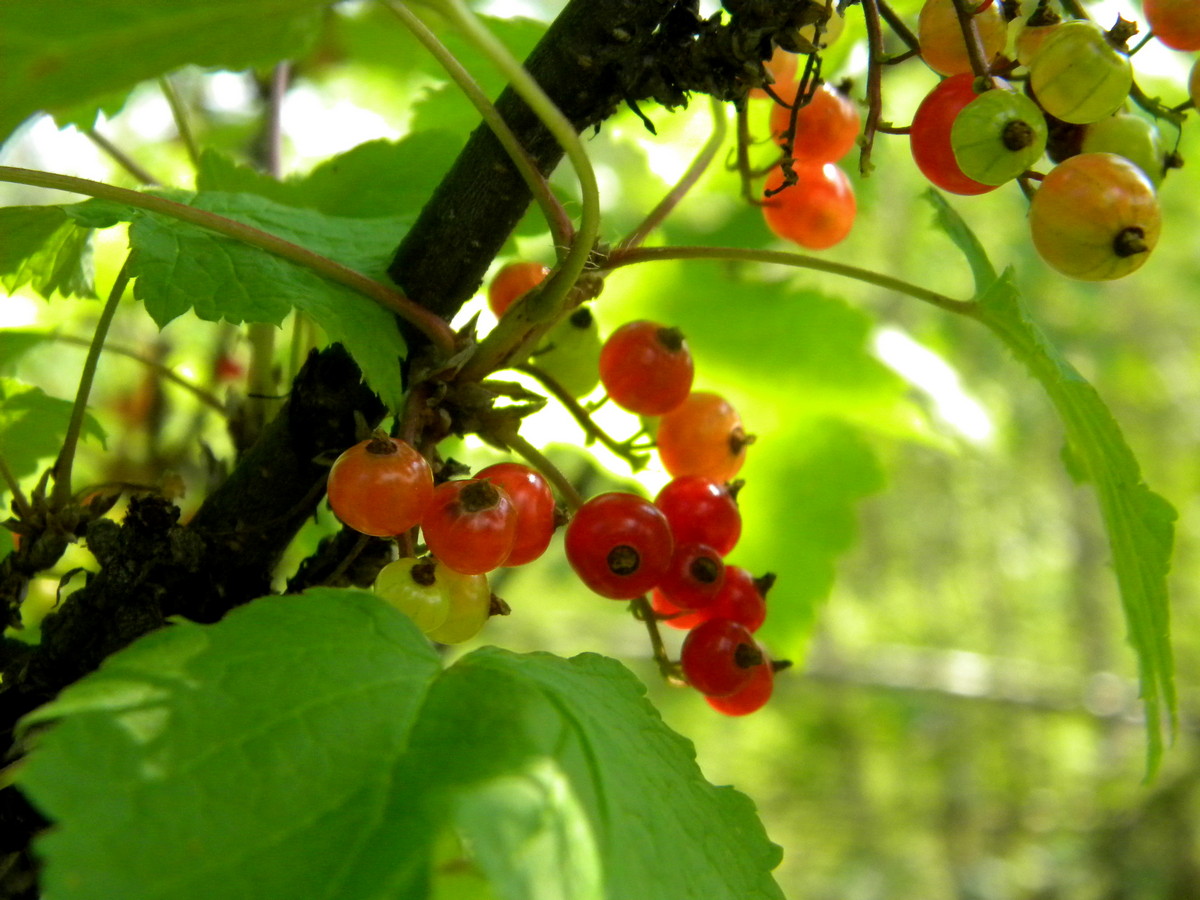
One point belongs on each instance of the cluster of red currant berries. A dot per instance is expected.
(1094, 216)
(504, 516)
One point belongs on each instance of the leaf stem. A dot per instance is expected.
(20, 501)
(561, 229)
(179, 114)
(434, 327)
(158, 368)
(796, 260)
(699, 165)
(592, 431)
(538, 460)
(66, 457)
(120, 157)
(544, 305)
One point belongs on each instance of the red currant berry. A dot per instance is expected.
(694, 577)
(672, 615)
(646, 368)
(701, 511)
(929, 137)
(719, 657)
(704, 437)
(742, 599)
(619, 545)
(753, 695)
(413, 587)
(470, 526)
(1175, 22)
(826, 128)
(534, 501)
(512, 281)
(469, 605)
(816, 212)
(943, 46)
(380, 487)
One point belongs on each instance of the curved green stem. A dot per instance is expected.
(561, 229)
(158, 368)
(66, 457)
(540, 307)
(538, 460)
(435, 328)
(796, 260)
(699, 165)
(179, 114)
(120, 157)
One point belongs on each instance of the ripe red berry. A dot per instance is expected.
(752, 696)
(646, 368)
(704, 437)
(470, 526)
(511, 282)
(694, 578)
(619, 545)
(816, 212)
(719, 657)
(929, 137)
(741, 599)
(701, 511)
(534, 502)
(826, 128)
(380, 487)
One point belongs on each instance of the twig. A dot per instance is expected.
(434, 327)
(699, 165)
(66, 456)
(20, 501)
(120, 157)
(593, 431)
(179, 114)
(562, 230)
(871, 12)
(158, 368)
(796, 260)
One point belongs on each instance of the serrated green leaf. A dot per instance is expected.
(1139, 522)
(181, 268)
(307, 746)
(42, 246)
(33, 425)
(62, 53)
(247, 759)
(565, 783)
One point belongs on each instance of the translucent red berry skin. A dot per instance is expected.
(701, 511)
(380, 487)
(534, 501)
(826, 129)
(511, 282)
(694, 578)
(751, 697)
(704, 437)
(715, 657)
(929, 137)
(738, 600)
(619, 545)
(646, 368)
(816, 212)
(470, 526)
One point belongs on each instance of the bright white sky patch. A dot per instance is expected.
(927, 371)
(319, 129)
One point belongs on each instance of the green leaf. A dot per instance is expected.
(1140, 523)
(181, 268)
(375, 179)
(15, 343)
(566, 783)
(42, 246)
(248, 759)
(33, 425)
(61, 53)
